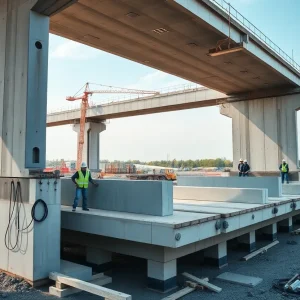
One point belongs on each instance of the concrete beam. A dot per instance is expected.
(216, 194)
(52, 7)
(272, 184)
(140, 197)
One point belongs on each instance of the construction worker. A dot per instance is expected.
(245, 169)
(240, 167)
(81, 179)
(284, 170)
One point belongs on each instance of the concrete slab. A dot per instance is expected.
(140, 197)
(292, 188)
(272, 184)
(240, 279)
(240, 195)
(75, 270)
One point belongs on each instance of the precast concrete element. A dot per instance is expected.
(240, 279)
(184, 99)
(216, 255)
(286, 225)
(99, 259)
(91, 147)
(75, 270)
(293, 188)
(264, 131)
(36, 250)
(270, 232)
(296, 219)
(162, 276)
(272, 184)
(248, 241)
(23, 87)
(196, 27)
(140, 197)
(216, 194)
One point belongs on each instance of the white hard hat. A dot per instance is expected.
(283, 160)
(241, 159)
(83, 165)
(245, 160)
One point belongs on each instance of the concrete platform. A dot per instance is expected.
(195, 225)
(293, 188)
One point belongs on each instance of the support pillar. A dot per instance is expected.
(91, 148)
(24, 36)
(216, 255)
(247, 241)
(162, 275)
(286, 225)
(270, 232)
(296, 219)
(264, 131)
(99, 260)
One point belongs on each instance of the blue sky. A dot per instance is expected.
(191, 134)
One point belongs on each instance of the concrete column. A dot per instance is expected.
(270, 232)
(216, 255)
(296, 219)
(99, 259)
(91, 151)
(264, 131)
(162, 275)
(248, 241)
(24, 38)
(286, 225)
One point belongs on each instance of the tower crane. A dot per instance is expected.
(84, 97)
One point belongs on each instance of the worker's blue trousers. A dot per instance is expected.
(284, 176)
(78, 194)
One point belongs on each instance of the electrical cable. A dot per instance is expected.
(15, 205)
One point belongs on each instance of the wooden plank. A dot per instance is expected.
(263, 249)
(180, 293)
(203, 282)
(89, 287)
(64, 292)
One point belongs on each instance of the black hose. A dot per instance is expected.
(15, 205)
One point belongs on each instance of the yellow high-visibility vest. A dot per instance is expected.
(284, 168)
(83, 182)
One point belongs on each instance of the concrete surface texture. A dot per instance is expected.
(34, 251)
(264, 131)
(186, 99)
(23, 60)
(75, 270)
(91, 146)
(272, 184)
(195, 27)
(140, 197)
(242, 195)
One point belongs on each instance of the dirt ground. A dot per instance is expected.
(129, 276)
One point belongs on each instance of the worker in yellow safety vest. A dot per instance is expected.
(81, 179)
(284, 170)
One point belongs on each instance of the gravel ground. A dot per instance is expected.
(129, 276)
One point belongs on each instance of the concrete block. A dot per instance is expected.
(270, 232)
(162, 275)
(286, 225)
(216, 255)
(240, 279)
(272, 184)
(293, 188)
(98, 256)
(140, 197)
(75, 270)
(248, 241)
(240, 195)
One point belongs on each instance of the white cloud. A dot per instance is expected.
(73, 50)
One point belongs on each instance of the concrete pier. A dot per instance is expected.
(216, 255)
(286, 225)
(91, 147)
(162, 276)
(264, 131)
(99, 259)
(270, 232)
(247, 241)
